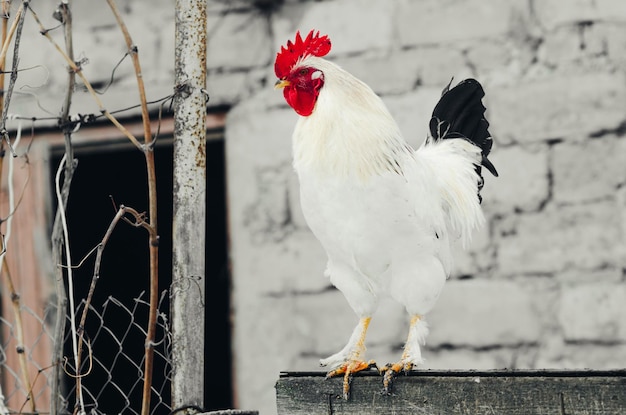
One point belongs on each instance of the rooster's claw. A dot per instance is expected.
(347, 370)
(390, 372)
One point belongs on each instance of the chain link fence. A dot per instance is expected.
(111, 375)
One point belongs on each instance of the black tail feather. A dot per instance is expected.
(460, 113)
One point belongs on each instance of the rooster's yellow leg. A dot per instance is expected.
(411, 356)
(351, 357)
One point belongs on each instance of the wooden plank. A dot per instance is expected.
(506, 392)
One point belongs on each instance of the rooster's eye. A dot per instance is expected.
(304, 71)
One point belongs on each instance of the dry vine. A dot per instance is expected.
(152, 211)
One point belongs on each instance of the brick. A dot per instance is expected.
(494, 62)
(588, 170)
(372, 30)
(463, 317)
(609, 274)
(156, 18)
(552, 14)
(101, 41)
(259, 131)
(403, 70)
(582, 49)
(435, 22)
(412, 112)
(620, 197)
(584, 356)
(561, 45)
(478, 258)
(593, 312)
(439, 65)
(564, 106)
(384, 74)
(267, 217)
(523, 182)
(582, 237)
(238, 40)
(459, 359)
(469, 359)
(162, 50)
(615, 38)
(223, 7)
(265, 342)
(302, 263)
(326, 321)
(228, 88)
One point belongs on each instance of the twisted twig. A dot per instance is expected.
(15, 31)
(138, 221)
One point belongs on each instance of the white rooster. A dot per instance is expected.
(385, 214)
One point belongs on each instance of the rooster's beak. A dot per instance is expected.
(281, 83)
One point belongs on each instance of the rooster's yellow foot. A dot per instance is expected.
(390, 371)
(347, 370)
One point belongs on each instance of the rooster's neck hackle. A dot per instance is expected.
(350, 132)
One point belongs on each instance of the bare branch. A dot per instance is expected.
(30, 392)
(70, 278)
(7, 37)
(134, 53)
(94, 279)
(152, 228)
(16, 29)
(16, 205)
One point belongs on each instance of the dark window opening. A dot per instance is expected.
(115, 172)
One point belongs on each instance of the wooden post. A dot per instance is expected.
(188, 263)
(498, 392)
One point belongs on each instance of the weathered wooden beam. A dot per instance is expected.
(506, 392)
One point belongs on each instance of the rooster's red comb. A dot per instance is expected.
(314, 44)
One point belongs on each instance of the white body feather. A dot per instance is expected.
(385, 213)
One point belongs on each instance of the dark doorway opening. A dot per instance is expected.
(110, 172)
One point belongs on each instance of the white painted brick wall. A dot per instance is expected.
(588, 170)
(520, 167)
(544, 278)
(546, 270)
(604, 321)
(585, 236)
